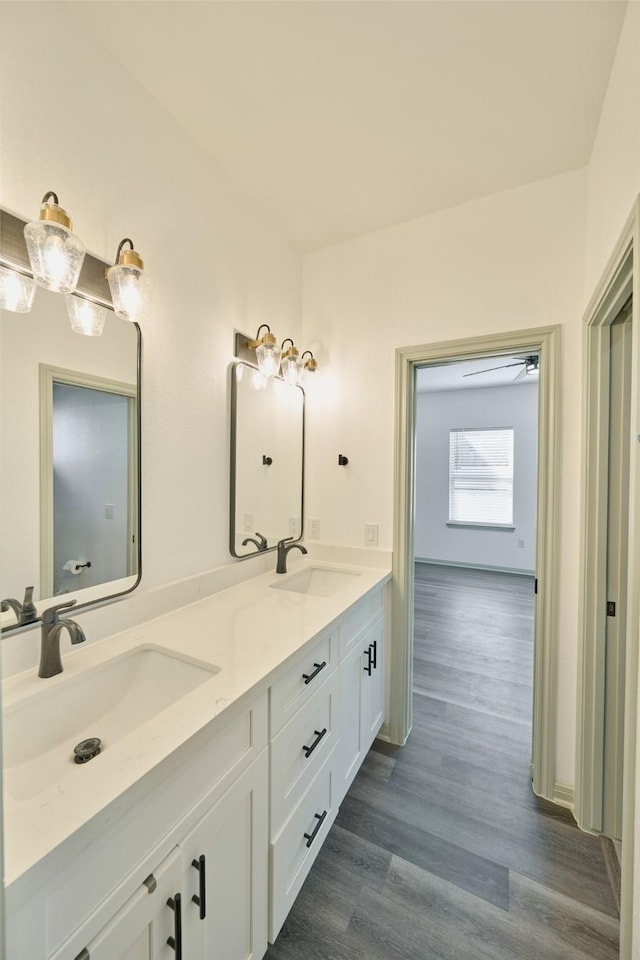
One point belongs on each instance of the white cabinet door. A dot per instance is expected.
(351, 749)
(142, 928)
(225, 886)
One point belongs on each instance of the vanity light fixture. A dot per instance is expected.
(310, 365)
(55, 253)
(86, 316)
(16, 290)
(129, 285)
(267, 351)
(291, 364)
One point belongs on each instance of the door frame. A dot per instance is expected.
(620, 279)
(546, 342)
(76, 378)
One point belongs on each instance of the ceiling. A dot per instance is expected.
(454, 376)
(338, 118)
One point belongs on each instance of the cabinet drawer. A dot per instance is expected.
(301, 679)
(353, 623)
(300, 749)
(297, 846)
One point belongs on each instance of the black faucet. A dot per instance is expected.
(281, 566)
(52, 627)
(261, 545)
(26, 611)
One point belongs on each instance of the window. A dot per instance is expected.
(481, 476)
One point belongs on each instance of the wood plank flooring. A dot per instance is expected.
(440, 850)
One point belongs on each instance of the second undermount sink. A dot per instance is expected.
(317, 581)
(107, 701)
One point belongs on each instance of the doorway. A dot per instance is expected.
(544, 342)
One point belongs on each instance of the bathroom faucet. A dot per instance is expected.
(52, 627)
(281, 566)
(26, 611)
(261, 544)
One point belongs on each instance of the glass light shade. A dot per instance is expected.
(16, 291)
(86, 317)
(55, 254)
(131, 292)
(258, 380)
(268, 356)
(292, 370)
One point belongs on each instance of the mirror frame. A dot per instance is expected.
(232, 466)
(92, 285)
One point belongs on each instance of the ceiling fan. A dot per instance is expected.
(530, 365)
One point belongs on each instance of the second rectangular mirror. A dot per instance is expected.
(267, 461)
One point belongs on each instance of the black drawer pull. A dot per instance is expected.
(310, 837)
(367, 668)
(175, 942)
(374, 659)
(308, 677)
(319, 735)
(200, 899)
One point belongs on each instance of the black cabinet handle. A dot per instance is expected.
(319, 735)
(374, 659)
(200, 899)
(175, 942)
(310, 837)
(367, 668)
(308, 677)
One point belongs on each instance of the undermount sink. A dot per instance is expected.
(317, 581)
(107, 701)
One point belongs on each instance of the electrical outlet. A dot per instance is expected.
(371, 534)
(293, 526)
(521, 544)
(314, 529)
(248, 522)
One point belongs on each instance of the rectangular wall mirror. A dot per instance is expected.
(69, 457)
(267, 461)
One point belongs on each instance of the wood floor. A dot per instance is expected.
(440, 850)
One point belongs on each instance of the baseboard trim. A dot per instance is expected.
(518, 571)
(564, 795)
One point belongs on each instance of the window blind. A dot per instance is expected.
(481, 476)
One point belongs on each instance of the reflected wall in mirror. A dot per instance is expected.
(69, 456)
(267, 461)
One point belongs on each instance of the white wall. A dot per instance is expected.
(511, 261)
(614, 170)
(439, 412)
(77, 123)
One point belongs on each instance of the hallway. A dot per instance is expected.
(440, 850)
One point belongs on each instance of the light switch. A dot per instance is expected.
(108, 511)
(248, 522)
(293, 526)
(371, 534)
(314, 529)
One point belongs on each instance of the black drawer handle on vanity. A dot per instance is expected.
(310, 837)
(308, 677)
(319, 735)
(175, 942)
(200, 898)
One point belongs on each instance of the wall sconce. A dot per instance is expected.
(16, 290)
(86, 316)
(55, 253)
(310, 365)
(267, 351)
(130, 287)
(291, 364)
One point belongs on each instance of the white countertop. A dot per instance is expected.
(248, 631)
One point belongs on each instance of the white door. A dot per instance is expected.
(225, 859)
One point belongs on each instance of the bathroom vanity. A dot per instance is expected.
(233, 728)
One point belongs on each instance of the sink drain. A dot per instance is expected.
(87, 749)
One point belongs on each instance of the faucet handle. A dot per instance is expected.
(50, 615)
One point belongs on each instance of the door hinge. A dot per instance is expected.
(611, 608)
